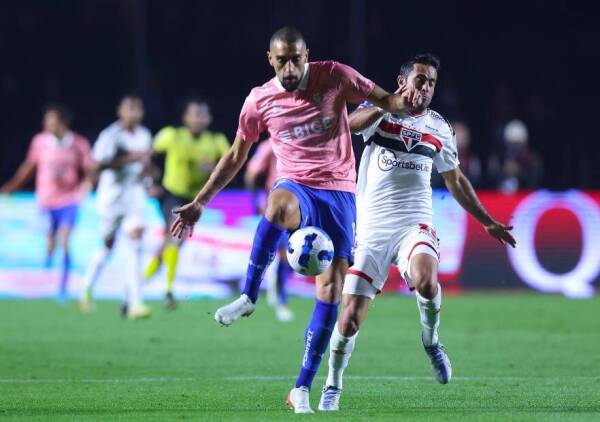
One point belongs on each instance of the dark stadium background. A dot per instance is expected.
(531, 59)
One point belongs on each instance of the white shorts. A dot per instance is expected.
(125, 210)
(378, 250)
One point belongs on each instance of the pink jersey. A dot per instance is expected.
(309, 127)
(59, 166)
(264, 162)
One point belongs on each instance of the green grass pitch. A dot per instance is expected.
(515, 357)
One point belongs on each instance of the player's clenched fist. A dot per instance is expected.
(187, 216)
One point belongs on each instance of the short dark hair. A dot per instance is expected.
(288, 35)
(62, 111)
(427, 59)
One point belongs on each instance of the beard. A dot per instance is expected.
(290, 84)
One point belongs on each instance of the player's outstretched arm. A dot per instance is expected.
(365, 116)
(399, 102)
(462, 190)
(23, 174)
(362, 118)
(227, 167)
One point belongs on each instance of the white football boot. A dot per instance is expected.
(330, 399)
(241, 307)
(298, 399)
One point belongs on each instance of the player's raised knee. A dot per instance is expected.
(425, 281)
(283, 209)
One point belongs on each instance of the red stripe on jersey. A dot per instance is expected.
(396, 129)
(421, 243)
(390, 127)
(430, 139)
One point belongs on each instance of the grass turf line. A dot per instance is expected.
(516, 356)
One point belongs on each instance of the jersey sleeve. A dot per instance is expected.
(355, 87)
(447, 158)
(33, 154)
(164, 139)
(85, 153)
(251, 124)
(105, 148)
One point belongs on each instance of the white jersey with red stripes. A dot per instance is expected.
(395, 215)
(394, 178)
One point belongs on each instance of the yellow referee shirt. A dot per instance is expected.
(188, 159)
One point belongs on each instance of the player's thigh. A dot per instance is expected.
(283, 208)
(369, 273)
(133, 221)
(337, 215)
(110, 222)
(67, 222)
(354, 312)
(329, 283)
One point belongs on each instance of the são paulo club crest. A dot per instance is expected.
(410, 138)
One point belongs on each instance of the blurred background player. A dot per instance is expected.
(395, 217)
(516, 165)
(263, 165)
(304, 110)
(62, 162)
(191, 153)
(122, 154)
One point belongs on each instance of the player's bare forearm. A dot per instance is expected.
(362, 118)
(398, 102)
(462, 190)
(24, 173)
(227, 167)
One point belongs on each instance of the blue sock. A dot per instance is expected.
(283, 272)
(264, 247)
(65, 273)
(316, 340)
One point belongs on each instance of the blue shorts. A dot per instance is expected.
(331, 210)
(61, 217)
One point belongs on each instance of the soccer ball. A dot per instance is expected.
(310, 251)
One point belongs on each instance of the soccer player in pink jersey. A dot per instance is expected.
(304, 110)
(263, 165)
(61, 160)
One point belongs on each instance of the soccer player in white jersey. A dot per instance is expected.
(122, 153)
(395, 216)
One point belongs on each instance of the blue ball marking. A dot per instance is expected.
(325, 255)
(306, 248)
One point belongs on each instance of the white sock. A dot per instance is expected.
(92, 272)
(430, 316)
(340, 350)
(134, 275)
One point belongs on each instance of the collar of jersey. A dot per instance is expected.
(303, 81)
(65, 142)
